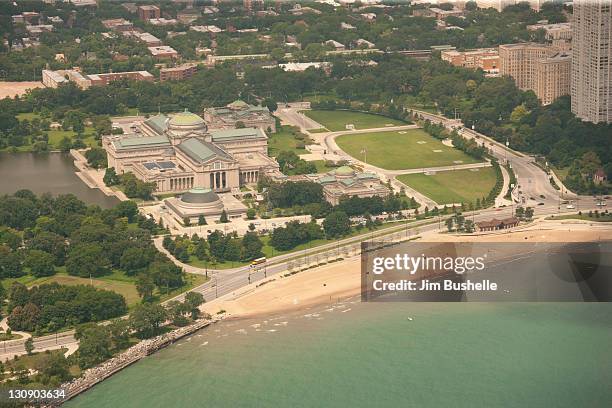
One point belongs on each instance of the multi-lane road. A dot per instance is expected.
(533, 184)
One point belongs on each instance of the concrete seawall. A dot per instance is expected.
(97, 374)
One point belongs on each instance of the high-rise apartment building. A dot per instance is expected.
(518, 61)
(541, 68)
(553, 77)
(592, 60)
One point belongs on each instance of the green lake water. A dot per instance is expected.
(373, 355)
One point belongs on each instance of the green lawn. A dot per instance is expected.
(28, 116)
(603, 217)
(337, 120)
(117, 282)
(450, 187)
(270, 252)
(399, 150)
(321, 167)
(284, 140)
(55, 136)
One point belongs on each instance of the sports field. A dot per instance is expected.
(457, 186)
(401, 150)
(336, 120)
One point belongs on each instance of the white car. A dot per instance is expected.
(570, 207)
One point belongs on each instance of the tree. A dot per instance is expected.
(65, 144)
(176, 311)
(251, 247)
(194, 300)
(146, 319)
(94, 345)
(119, 330)
(145, 287)
(41, 263)
(110, 177)
(336, 224)
(449, 224)
(223, 217)
(251, 213)
(270, 104)
(53, 368)
(128, 209)
(133, 260)
(201, 220)
(28, 345)
(87, 260)
(96, 157)
(24, 318)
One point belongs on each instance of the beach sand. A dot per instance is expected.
(340, 280)
(313, 286)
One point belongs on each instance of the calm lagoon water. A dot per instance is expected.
(382, 355)
(47, 173)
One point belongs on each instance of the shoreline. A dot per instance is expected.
(300, 290)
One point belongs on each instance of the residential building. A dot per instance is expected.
(130, 7)
(84, 3)
(440, 14)
(188, 16)
(163, 21)
(553, 77)
(486, 59)
(538, 67)
(148, 12)
(163, 52)
(518, 61)
(105, 79)
(303, 66)
(118, 24)
(592, 60)
(368, 16)
(177, 73)
(53, 79)
(361, 43)
(337, 46)
(559, 31)
(148, 39)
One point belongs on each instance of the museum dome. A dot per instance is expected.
(184, 123)
(344, 171)
(199, 196)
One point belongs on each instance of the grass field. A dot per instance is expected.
(55, 136)
(270, 252)
(603, 217)
(338, 119)
(284, 140)
(450, 187)
(400, 150)
(117, 282)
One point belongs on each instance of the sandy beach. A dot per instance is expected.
(341, 280)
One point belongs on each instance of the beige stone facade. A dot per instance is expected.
(540, 68)
(592, 60)
(486, 59)
(553, 77)
(239, 111)
(179, 153)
